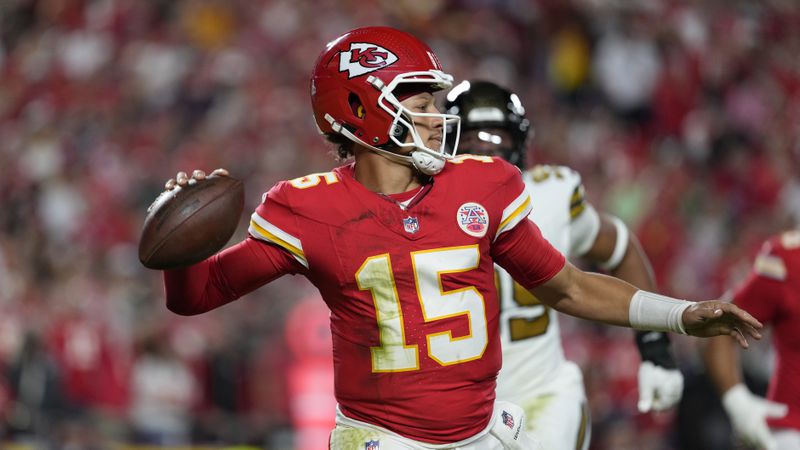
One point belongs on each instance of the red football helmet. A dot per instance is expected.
(353, 90)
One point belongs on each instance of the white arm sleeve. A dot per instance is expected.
(583, 231)
(621, 246)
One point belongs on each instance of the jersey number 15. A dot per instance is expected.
(393, 354)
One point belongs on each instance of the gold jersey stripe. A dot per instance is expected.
(577, 194)
(576, 210)
(275, 239)
(577, 202)
(583, 429)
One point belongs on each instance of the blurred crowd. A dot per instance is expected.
(683, 117)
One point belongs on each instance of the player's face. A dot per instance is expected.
(430, 129)
(485, 141)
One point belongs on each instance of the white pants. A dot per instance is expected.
(504, 432)
(787, 438)
(558, 414)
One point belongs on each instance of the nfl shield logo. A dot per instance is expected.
(372, 445)
(508, 420)
(411, 224)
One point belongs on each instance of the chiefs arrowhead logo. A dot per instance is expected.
(364, 58)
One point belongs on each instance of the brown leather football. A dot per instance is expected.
(188, 224)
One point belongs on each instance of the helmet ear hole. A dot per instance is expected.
(356, 106)
(399, 132)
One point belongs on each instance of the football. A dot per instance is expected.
(190, 223)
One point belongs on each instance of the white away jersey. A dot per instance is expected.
(532, 351)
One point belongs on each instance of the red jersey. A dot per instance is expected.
(414, 310)
(771, 294)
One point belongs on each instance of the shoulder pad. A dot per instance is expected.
(490, 169)
(770, 266)
(472, 159)
(308, 188)
(549, 173)
(563, 179)
(790, 240)
(313, 179)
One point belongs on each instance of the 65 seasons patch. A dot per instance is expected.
(473, 219)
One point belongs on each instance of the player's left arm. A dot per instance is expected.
(518, 247)
(606, 299)
(522, 250)
(618, 251)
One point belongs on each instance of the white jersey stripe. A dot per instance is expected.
(265, 231)
(515, 213)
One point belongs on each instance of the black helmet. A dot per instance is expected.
(485, 105)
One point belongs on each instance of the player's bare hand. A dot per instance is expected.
(714, 318)
(183, 179)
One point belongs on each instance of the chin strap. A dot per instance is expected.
(425, 163)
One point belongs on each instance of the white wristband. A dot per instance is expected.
(620, 246)
(649, 311)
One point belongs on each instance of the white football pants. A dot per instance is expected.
(504, 432)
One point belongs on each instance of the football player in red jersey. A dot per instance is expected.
(772, 293)
(401, 244)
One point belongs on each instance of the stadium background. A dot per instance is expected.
(683, 117)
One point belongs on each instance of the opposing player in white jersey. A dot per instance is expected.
(535, 373)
